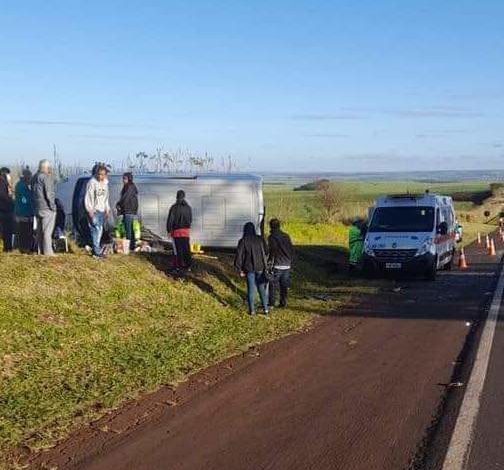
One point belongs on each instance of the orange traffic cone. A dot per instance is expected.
(462, 264)
(491, 249)
(487, 243)
(479, 238)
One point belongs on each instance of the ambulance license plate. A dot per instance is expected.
(393, 265)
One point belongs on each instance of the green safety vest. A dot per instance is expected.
(355, 245)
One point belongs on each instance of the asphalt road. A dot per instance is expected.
(487, 447)
(360, 391)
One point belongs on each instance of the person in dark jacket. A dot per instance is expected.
(6, 209)
(178, 227)
(250, 261)
(281, 256)
(24, 213)
(128, 206)
(44, 205)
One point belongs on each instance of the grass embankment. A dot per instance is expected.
(78, 337)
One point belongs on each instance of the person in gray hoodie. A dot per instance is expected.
(96, 202)
(44, 207)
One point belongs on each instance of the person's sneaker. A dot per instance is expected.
(252, 314)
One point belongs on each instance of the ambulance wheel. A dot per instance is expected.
(448, 266)
(431, 273)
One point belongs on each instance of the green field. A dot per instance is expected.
(283, 202)
(299, 209)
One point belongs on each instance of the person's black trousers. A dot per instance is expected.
(279, 283)
(25, 240)
(183, 252)
(7, 229)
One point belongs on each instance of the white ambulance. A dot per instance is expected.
(410, 233)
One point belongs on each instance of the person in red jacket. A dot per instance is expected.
(178, 227)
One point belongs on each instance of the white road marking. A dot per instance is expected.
(459, 450)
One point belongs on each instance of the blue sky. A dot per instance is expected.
(279, 85)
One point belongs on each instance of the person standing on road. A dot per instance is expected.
(178, 227)
(250, 261)
(24, 212)
(6, 209)
(281, 255)
(44, 206)
(128, 206)
(96, 202)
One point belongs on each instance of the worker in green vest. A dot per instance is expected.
(356, 236)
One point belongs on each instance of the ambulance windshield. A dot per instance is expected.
(402, 219)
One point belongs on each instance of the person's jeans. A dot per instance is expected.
(45, 228)
(256, 280)
(7, 228)
(128, 227)
(96, 229)
(280, 282)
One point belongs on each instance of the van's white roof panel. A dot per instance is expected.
(186, 177)
(413, 200)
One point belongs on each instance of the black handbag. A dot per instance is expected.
(268, 267)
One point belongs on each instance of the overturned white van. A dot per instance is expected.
(414, 233)
(221, 204)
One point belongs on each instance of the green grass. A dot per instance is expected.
(317, 234)
(471, 230)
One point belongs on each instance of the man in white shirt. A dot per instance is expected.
(97, 206)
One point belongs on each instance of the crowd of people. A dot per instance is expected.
(30, 213)
(33, 216)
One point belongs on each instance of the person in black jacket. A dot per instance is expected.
(281, 255)
(6, 209)
(128, 206)
(178, 227)
(250, 260)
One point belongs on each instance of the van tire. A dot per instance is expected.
(448, 266)
(431, 273)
